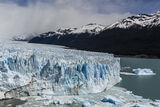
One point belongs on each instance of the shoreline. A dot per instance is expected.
(138, 56)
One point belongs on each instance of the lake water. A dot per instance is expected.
(146, 86)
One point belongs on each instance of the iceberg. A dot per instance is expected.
(111, 99)
(36, 70)
(140, 71)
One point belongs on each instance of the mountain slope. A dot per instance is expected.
(136, 35)
(91, 29)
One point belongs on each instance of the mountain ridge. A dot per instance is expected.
(143, 20)
(134, 36)
(91, 28)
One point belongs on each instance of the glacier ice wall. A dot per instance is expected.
(30, 69)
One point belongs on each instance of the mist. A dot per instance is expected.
(48, 16)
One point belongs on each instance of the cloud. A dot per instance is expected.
(44, 16)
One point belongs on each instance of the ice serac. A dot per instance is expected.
(29, 69)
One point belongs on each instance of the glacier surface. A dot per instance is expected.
(36, 70)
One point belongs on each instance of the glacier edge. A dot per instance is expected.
(38, 70)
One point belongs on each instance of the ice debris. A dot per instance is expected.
(85, 101)
(121, 95)
(140, 71)
(112, 99)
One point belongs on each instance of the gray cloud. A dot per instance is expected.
(48, 16)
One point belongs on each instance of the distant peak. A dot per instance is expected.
(140, 20)
(89, 28)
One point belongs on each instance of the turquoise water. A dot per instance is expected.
(146, 86)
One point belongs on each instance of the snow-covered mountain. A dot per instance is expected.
(134, 35)
(91, 28)
(137, 21)
(141, 20)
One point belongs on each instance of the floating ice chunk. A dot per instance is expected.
(111, 99)
(140, 71)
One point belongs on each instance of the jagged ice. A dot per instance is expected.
(30, 69)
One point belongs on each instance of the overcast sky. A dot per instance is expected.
(36, 16)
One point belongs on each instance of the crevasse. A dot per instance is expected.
(29, 69)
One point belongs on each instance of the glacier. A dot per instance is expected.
(36, 70)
